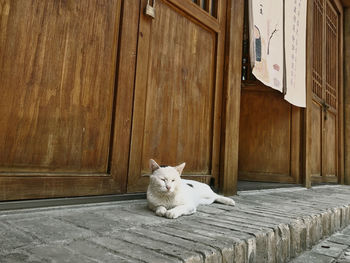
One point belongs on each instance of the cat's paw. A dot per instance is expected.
(231, 202)
(161, 211)
(225, 200)
(172, 214)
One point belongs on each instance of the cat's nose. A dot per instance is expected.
(168, 187)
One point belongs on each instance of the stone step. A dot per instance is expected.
(335, 249)
(265, 226)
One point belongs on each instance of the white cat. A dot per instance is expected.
(170, 196)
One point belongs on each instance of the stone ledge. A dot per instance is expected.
(265, 226)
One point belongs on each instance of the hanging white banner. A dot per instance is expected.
(277, 46)
(295, 51)
(266, 41)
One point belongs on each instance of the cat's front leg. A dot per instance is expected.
(161, 211)
(179, 211)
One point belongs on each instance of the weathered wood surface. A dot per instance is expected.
(269, 142)
(324, 112)
(231, 97)
(177, 102)
(269, 130)
(57, 85)
(57, 70)
(347, 93)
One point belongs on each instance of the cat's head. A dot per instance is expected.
(165, 179)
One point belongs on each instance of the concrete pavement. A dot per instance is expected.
(265, 226)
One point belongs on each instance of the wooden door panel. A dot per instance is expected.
(176, 97)
(316, 130)
(330, 146)
(57, 85)
(180, 90)
(57, 69)
(269, 128)
(324, 111)
(265, 136)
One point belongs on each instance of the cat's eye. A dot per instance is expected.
(173, 180)
(163, 179)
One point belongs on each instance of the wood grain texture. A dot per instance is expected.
(199, 13)
(17, 188)
(347, 93)
(345, 3)
(57, 72)
(316, 143)
(231, 97)
(119, 162)
(270, 131)
(175, 93)
(341, 105)
(265, 130)
(307, 161)
(324, 147)
(269, 142)
(57, 66)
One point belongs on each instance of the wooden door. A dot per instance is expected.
(325, 108)
(57, 73)
(269, 128)
(178, 89)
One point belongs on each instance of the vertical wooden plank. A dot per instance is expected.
(295, 143)
(341, 97)
(231, 97)
(138, 124)
(308, 113)
(201, 3)
(346, 86)
(125, 89)
(209, 7)
(216, 159)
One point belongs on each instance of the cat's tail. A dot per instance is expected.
(224, 200)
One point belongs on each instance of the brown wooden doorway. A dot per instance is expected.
(57, 72)
(178, 86)
(269, 129)
(325, 103)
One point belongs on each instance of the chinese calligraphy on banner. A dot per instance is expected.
(277, 46)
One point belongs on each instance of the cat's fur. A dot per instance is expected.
(170, 196)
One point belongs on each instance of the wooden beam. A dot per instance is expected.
(125, 91)
(347, 94)
(231, 97)
(307, 124)
(341, 97)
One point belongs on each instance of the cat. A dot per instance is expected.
(170, 196)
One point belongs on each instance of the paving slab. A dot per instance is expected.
(276, 225)
(334, 249)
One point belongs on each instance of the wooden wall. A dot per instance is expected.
(347, 93)
(74, 77)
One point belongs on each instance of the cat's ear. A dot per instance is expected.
(180, 168)
(153, 165)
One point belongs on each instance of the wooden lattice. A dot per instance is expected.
(210, 6)
(317, 48)
(331, 56)
(325, 49)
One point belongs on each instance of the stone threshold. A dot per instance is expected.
(265, 226)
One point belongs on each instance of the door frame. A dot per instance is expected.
(231, 97)
(307, 111)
